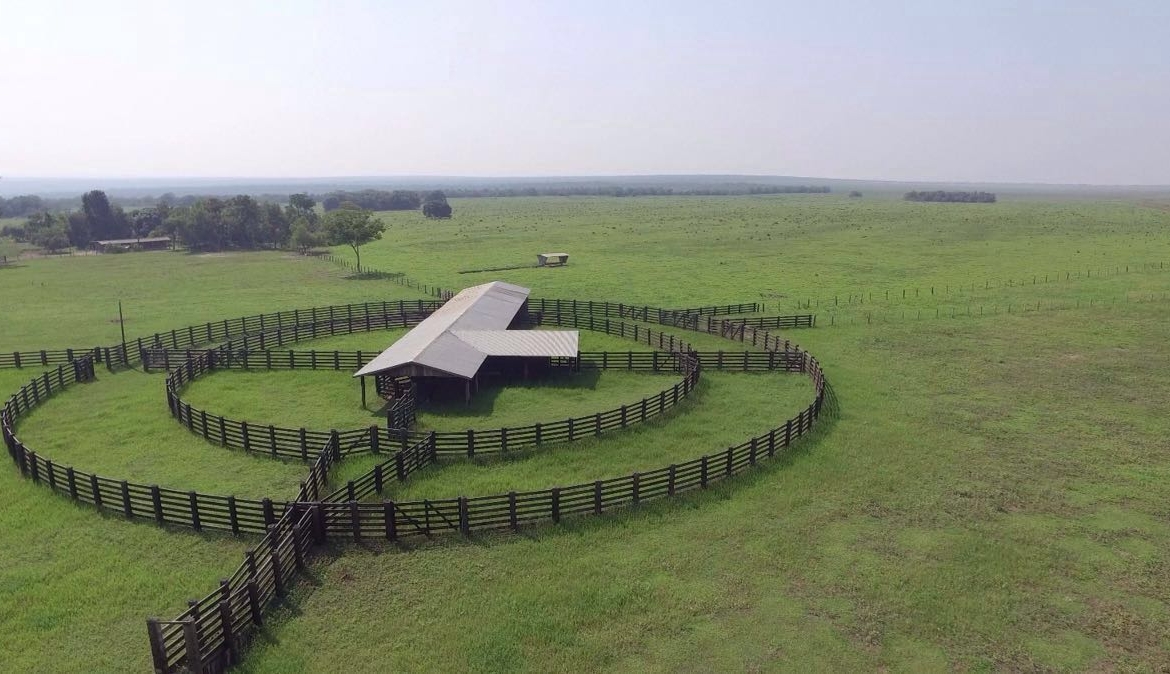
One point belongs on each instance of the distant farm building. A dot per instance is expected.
(468, 339)
(552, 259)
(152, 243)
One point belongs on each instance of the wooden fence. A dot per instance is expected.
(210, 634)
(297, 443)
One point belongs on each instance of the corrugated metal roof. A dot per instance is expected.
(551, 343)
(484, 308)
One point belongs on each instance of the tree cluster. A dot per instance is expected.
(20, 206)
(954, 197)
(435, 205)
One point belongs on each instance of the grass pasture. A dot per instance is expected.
(990, 494)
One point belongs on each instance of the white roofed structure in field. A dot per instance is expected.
(473, 325)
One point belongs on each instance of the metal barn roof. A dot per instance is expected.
(468, 328)
(552, 343)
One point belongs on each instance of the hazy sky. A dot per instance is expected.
(1061, 91)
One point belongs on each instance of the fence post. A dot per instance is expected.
(229, 633)
(95, 489)
(127, 507)
(636, 479)
(374, 437)
(158, 649)
(156, 498)
(193, 499)
(254, 601)
(512, 510)
(191, 642)
(355, 520)
(556, 505)
(391, 520)
(597, 497)
(269, 515)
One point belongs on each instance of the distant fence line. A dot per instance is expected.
(942, 289)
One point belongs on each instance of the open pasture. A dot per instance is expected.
(989, 493)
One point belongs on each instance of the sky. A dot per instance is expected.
(988, 91)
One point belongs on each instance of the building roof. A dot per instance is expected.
(552, 343)
(468, 328)
(119, 242)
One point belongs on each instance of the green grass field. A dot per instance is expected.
(990, 495)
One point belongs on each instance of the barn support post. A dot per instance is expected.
(363, 391)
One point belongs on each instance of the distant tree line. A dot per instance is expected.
(374, 200)
(20, 206)
(634, 191)
(956, 197)
(204, 224)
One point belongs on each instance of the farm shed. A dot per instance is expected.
(552, 259)
(470, 337)
(151, 243)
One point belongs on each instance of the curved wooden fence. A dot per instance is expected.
(197, 639)
(210, 634)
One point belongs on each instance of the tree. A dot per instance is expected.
(276, 223)
(47, 231)
(353, 228)
(435, 205)
(144, 221)
(78, 229)
(104, 221)
(437, 210)
(301, 202)
(52, 238)
(244, 220)
(307, 235)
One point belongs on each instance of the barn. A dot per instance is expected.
(476, 336)
(151, 243)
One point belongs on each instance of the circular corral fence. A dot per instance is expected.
(211, 633)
